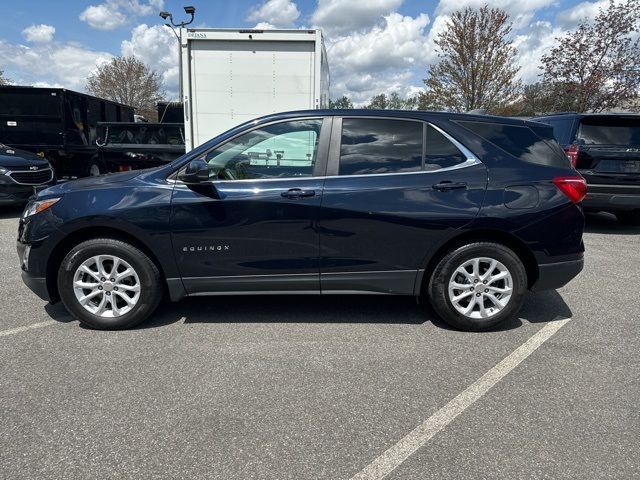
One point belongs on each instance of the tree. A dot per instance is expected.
(597, 67)
(378, 102)
(3, 79)
(342, 102)
(130, 81)
(392, 102)
(476, 68)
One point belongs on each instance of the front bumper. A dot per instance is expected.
(36, 285)
(12, 193)
(556, 275)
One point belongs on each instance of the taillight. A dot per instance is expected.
(574, 187)
(572, 153)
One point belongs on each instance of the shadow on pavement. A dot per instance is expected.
(607, 223)
(539, 307)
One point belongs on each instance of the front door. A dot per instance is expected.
(397, 189)
(253, 228)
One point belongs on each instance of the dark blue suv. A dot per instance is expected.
(467, 211)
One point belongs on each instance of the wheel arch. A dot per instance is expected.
(82, 235)
(497, 236)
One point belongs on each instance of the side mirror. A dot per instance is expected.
(197, 171)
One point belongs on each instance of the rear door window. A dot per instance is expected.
(533, 145)
(375, 145)
(609, 131)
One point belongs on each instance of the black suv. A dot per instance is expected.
(467, 211)
(605, 149)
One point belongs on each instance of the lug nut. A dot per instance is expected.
(486, 290)
(113, 280)
(100, 287)
(484, 281)
(108, 293)
(476, 281)
(477, 294)
(116, 289)
(102, 279)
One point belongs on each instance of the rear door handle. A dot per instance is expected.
(298, 193)
(447, 185)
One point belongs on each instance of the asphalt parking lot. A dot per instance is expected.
(321, 387)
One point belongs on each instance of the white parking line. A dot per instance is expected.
(419, 436)
(13, 331)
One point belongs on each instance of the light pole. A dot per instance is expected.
(164, 15)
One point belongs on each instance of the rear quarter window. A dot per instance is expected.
(534, 144)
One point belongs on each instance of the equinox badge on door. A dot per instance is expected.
(206, 248)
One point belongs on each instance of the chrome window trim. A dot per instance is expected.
(471, 158)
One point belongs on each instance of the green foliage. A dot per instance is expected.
(343, 102)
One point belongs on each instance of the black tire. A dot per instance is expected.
(438, 290)
(631, 217)
(151, 288)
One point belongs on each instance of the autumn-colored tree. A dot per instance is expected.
(477, 62)
(130, 81)
(597, 66)
(343, 102)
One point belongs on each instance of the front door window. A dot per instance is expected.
(281, 150)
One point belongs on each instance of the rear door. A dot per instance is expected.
(396, 188)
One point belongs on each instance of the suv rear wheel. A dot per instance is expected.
(109, 284)
(478, 286)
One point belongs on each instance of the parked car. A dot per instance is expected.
(21, 175)
(605, 149)
(465, 210)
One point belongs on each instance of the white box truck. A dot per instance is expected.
(232, 76)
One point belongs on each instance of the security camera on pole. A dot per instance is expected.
(190, 10)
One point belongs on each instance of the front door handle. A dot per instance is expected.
(447, 185)
(298, 193)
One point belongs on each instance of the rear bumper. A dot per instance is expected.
(612, 197)
(557, 275)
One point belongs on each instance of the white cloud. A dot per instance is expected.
(381, 59)
(39, 33)
(342, 16)
(538, 41)
(521, 12)
(116, 13)
(264, 26)
(279, 13)
(583, 11)
(512, 7)
(52, 63)
(157, 47)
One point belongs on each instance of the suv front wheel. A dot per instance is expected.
(478, 286)
(109, 284)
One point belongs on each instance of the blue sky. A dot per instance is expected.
(374, 45)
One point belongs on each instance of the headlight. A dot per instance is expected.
(3, 170)
(39, 206)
